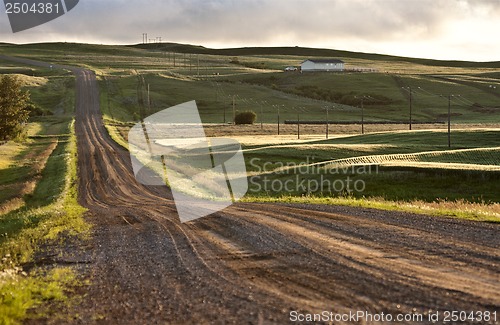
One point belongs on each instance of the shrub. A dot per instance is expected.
(13, 103)
(247, 117)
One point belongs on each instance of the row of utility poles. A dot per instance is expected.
(278, 108)
(327, 110)
(146, 40)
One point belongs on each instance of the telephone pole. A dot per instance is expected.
(278, 106)
(298, 126)
(410, 91)
(234, 110)
(362, 116)
(262, 115)
(411, 107)
(362, 99)
(327, 123)
(149, 101)
(449, 121)
(278, 120)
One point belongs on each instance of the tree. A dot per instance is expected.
(13, 107)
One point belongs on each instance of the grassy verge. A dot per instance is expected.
(54, 213)
(459, 208)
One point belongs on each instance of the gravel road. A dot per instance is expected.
(256, 263)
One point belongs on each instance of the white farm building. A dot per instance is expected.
(322, 65)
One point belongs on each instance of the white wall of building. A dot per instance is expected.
(313, 66)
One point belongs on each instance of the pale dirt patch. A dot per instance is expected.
(37, 160)
(31, 81)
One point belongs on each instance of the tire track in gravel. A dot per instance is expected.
(254, 263)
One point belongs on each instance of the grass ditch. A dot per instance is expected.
(461, 209)
(52, 215)
(406, 171)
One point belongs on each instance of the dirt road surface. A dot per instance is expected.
(257, 263)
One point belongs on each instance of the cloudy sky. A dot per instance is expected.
(440, 29)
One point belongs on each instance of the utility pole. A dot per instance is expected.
(327, 123)
(149, 101)
(298, 126)
(410, 91)
(107, 93)
(449, 121)
(278, 107)
(411, 107)
(362, 98)
(362, 116)
(224, 105)
(261, 117)
(234, 110)
(278, 120)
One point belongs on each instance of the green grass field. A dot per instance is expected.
(224, 82)
(387, 168)
(254, 79)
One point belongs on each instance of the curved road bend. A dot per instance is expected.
(257, 262)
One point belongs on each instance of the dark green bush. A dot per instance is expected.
(247, 117)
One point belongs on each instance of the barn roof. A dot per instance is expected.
(324, 61)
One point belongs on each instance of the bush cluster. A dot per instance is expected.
(247, 117)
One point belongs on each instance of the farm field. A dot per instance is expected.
(137, 81)
(256, 82)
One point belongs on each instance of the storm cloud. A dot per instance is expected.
(406, 27)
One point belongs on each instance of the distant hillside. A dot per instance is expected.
(126, 50)
(309, 52)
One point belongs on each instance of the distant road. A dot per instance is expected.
(257, 263)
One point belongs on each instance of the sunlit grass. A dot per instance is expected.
(20, 292)
(51, 211)
(459, 208)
